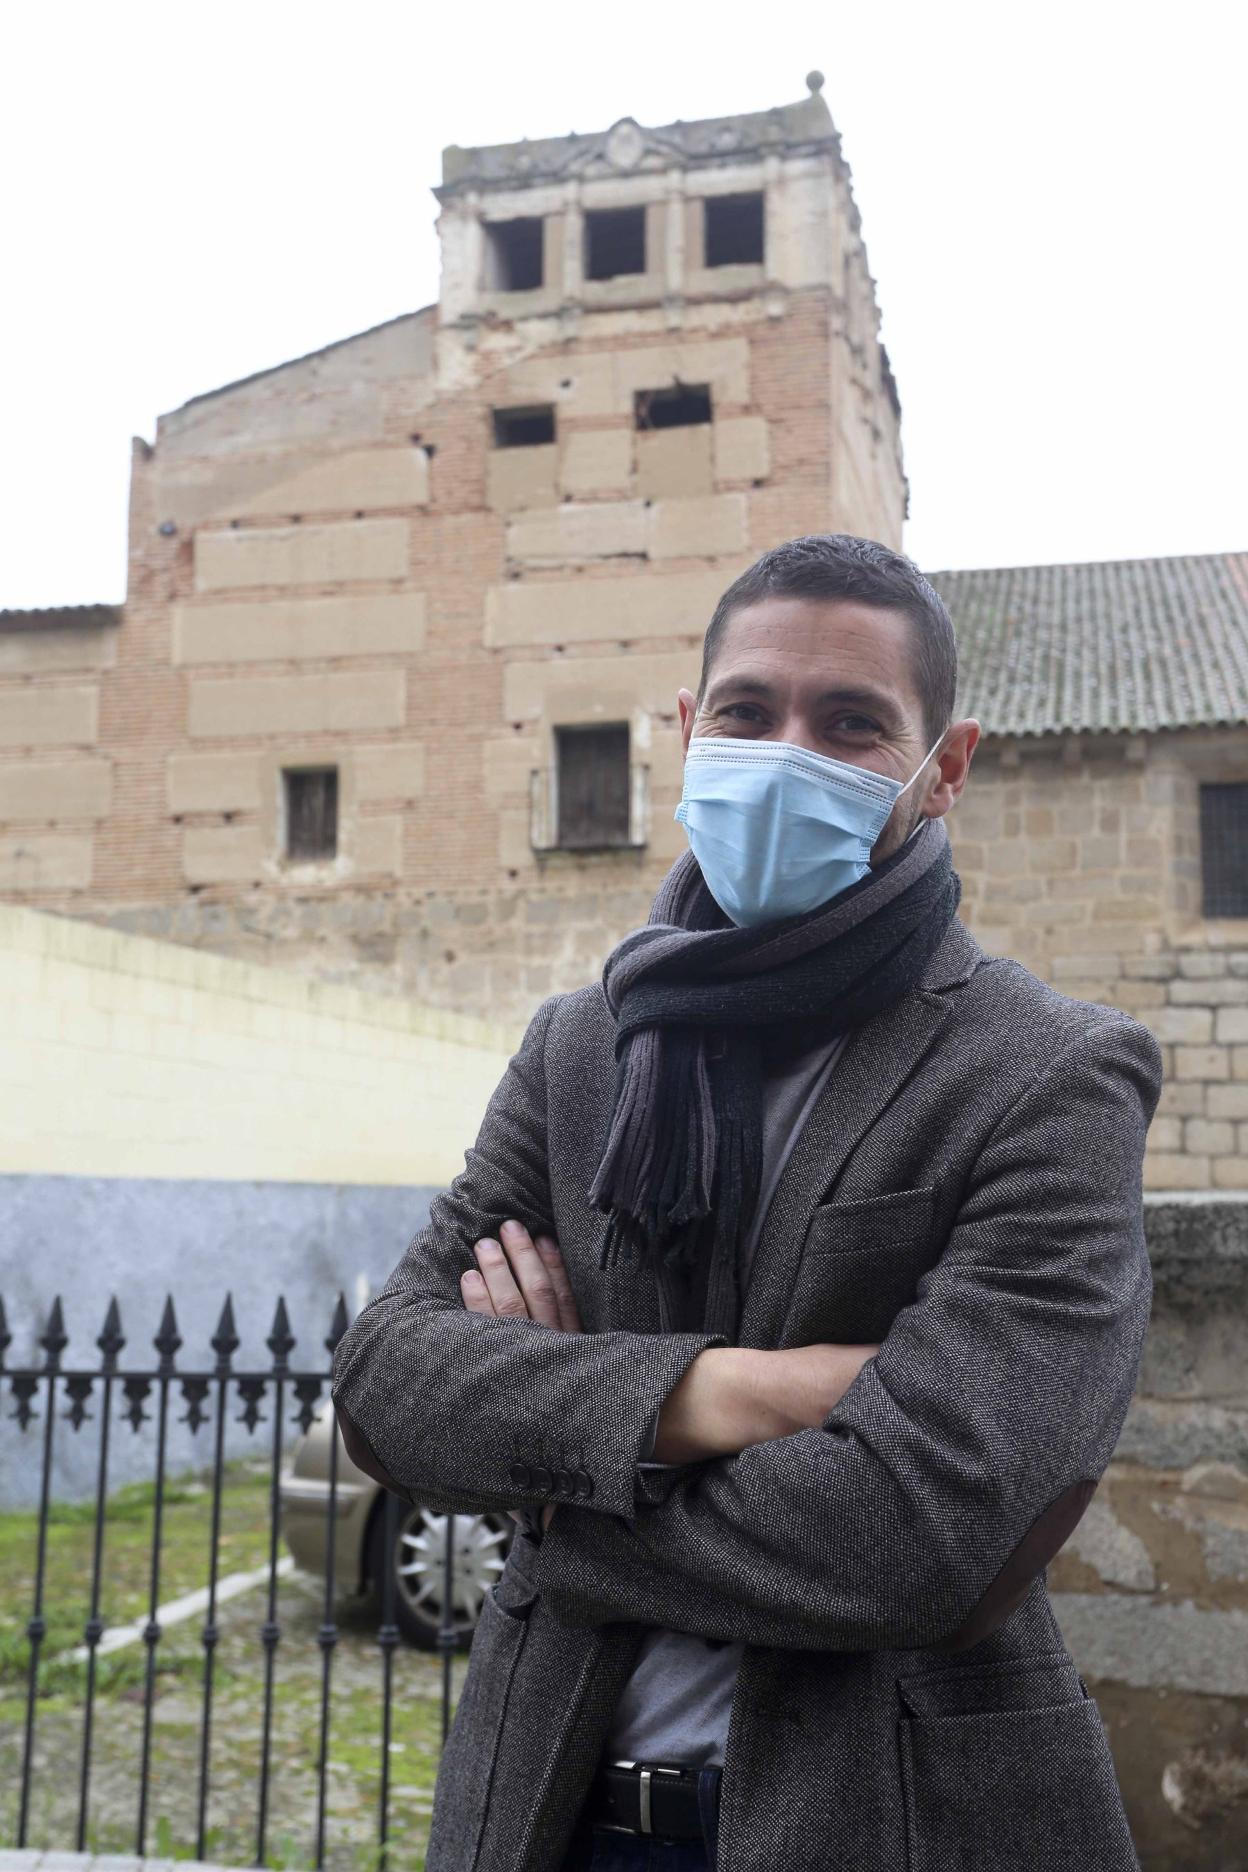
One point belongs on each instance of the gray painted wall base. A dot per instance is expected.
(88, 1238)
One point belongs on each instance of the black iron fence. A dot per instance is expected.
(51, 1399)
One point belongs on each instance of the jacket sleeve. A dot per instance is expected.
(959, 1460)
(469, 1412)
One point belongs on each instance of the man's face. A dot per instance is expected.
(836, 677)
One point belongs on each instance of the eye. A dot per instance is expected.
(742, 711)
(855, 724)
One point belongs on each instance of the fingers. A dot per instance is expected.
(569, 1317)
(517, 1278)
(474, 1292)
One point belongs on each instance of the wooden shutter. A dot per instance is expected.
(593, 781)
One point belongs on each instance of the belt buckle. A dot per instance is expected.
(645, 1771)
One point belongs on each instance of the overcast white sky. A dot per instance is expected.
(1053, 199)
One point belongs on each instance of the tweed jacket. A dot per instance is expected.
(966, 1193)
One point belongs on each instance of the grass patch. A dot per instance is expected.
(125, 1573)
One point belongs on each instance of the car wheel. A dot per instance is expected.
(417, 1563)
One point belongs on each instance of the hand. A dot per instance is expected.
(732, 1397)
(517, 1278)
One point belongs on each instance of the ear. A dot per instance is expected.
(953, 764)
(687, 703)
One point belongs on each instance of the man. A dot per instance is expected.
(793, 1297)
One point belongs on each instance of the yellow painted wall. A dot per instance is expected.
(121, 1056)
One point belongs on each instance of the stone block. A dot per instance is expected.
(292, 629)
(1150, 968)
(674, 463)
(46, 861)
(1232, 1022)
(266, 705)
(213, 783)
(723, 363)
(1165, 1170)
(1187, 1100)
(517, 478)
(1165, 1134)
(677, 604)
(1227, 992)
(39, 717)
(1231, 1173)
(231, 854)
(354, 481)
(1128, 1638)
(1210, 1063)
(1208, 1137)
(43, 652)
(80, 789)
(596, 461)
(1227, 1101)
(606, 689)
(377, 846)
(696, 529)
(1201, 964)
(393, 772)
(1182, 1026)
(742, 451)
(1116, 1554)
(230, 559)
(578, 531)
(1239, 1062)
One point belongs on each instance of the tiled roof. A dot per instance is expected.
(1123, 645)
(61, 617)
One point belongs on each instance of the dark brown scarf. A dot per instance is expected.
(697, 1001)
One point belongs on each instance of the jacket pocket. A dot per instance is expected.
(860, 1264)
(1009, 1766)
(461, 1792)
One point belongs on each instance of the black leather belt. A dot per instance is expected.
(647, 1797)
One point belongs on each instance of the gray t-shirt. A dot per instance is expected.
(676, 1703)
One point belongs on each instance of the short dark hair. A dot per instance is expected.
(840, 565)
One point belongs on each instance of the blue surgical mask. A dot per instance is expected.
(778, 830)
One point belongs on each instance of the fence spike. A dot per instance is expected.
(168, 1338)
(55, 1338)
(338, 1325)
(280, 1340)
(6, 1337)
(112, 1339)
(225, 1339)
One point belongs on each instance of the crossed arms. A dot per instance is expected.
(916, 1511)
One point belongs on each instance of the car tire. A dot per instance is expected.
(415, 1561)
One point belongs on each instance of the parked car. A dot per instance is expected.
(417, 1557)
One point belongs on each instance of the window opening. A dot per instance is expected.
(514, 254)
(734, 230)
(676, 407)
(615, 242)
(1224, 848)
(593, 786)
(524, 428)
(311, 797)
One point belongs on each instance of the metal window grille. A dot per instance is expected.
(1224, 848)
(311, 812)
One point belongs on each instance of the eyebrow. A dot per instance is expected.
(860, 697)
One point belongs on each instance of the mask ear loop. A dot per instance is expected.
(922, 764)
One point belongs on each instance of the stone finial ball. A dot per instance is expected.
(814, 81)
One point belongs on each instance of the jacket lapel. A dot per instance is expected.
(875, 1064)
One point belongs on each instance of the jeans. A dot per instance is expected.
(598, 1849)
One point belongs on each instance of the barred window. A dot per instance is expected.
(1224, 848)
(593, 786)
(311, 801)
